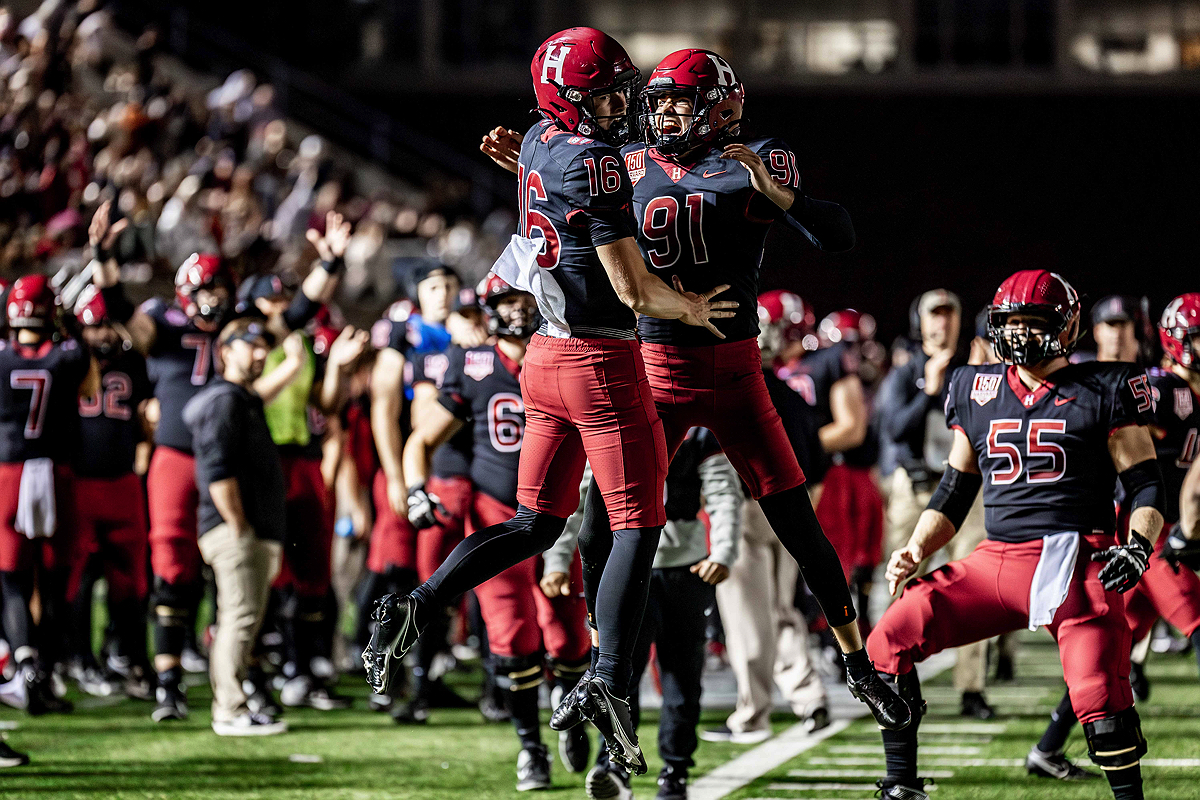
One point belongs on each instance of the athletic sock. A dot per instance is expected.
(621, 602)
(858, 666)
(1062, 719)
(900, 754)
(595, 544)
(1126, 783)
(523, 705)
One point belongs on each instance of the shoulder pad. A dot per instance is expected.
(779, 158)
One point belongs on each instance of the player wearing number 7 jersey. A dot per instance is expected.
(583, 380)
(178, 340)
(704, 198)
(42, 378)
(1047, 440)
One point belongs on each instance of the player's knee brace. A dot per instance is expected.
(518, 673)
(172, 603)
(1116, 742)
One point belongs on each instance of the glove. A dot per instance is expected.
(1126, 563)
(1181, 550)
(421, 507)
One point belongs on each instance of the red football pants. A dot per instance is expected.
(308, 542)
(19, 553)
(589, 400)
(851, 514)
(1162, 593)
(111, 522)
(396, 543)
(722, 388)
(518, 615)
(987, 594)
(171, 490)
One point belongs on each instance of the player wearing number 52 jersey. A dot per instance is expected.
(41, 381)
(481, 389)
(1047, 440)
(583, 380)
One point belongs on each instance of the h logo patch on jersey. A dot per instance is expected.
(479, 365)
(635, 165)
(1183, 403)
(986, 388)
(553, 64)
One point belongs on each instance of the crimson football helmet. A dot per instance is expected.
(572, 67)
(1045, 296)
(30, 303)
(1177, 329)
(203, 271)
(519, 322)
(846, 325)
(717, 97)
(783, 318)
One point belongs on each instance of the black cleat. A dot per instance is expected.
(533, 769)
(171, 703)
(975, 705)
(566, 714)
(1139, 682)
(672, 784)
(611, 717)
(41, 697)
(1055, 765)
(394, 635)
(414, 712)
(889, 709)
(817, 720)
(607, 782)
(574, 748)
(892, 790)
(11, 758)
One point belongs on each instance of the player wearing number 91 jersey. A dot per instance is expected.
(1047, 440)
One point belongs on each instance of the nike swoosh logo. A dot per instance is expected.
(1062, 401)
(708, 174)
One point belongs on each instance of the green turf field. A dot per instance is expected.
(112, 749)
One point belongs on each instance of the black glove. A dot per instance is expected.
(421, 507)
(1126, 563)
(1181, 550)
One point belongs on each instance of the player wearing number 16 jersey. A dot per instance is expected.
(583, 380)
(1047, 440)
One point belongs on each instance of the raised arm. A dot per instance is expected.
(106, 275)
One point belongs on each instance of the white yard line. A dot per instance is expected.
(773, 753)
(859, 773)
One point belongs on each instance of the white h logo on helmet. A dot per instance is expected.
(725, 74)
(553, 63)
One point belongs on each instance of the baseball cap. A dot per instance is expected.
(1115, 308)
(938, 298)
(262, 285)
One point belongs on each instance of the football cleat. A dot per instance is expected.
(533, 769)
(891, 790)
(414, 712)
(171, 704)
(250, 724)
(395, 633)
(611, 717)
(40, 695)
(566, 713)
(258, 695)
(672, 784)
(91, 680)
(889, 709)
(607, 782)
(304, 690)
(816, 720)
(574, 748)
(975, 705)
(11, 758)
(1055, 765)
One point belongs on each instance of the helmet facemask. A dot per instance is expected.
(519, 320)
(622, 128)
(714, 118)
(1056, 337)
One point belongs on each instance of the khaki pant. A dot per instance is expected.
(766, 638)
(904, 508)
(243, 567)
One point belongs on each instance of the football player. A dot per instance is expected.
(42, 377)
(482, 389)
(1165, 590)
(1046, 439)
(177, 339)
(584, 382)
(110, 505)
(704, 196)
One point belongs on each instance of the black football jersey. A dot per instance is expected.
(814, 375)
(109, 426)
(179, 364)
(575, 193)
(704, 223)
(482, 389)
(453, 459)
(1044, 454)
(39, 393)
(1175, 425)
(802, 425)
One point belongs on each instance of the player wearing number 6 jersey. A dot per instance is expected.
(583, 380)
(704, 197)
(482, 389)
(1047, 440)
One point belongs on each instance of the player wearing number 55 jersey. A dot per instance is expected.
(41, 381)
(704, 198)
(1047, 440)
(583, 380)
